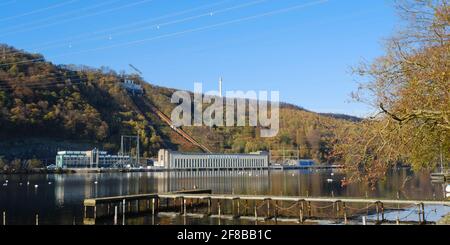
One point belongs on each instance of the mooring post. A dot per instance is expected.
(246, 208)
(153, 206)
(85, 213)
(232, 206)
(157, 204)
(137, 206)
(209, 206)
(182, 202)
(268, 208)
(309, 209)
(238, 208)
(378, 212)
(300, 207)
(345, 212)
(423, 213)
(420, 213)
(364, 220)
(37, 219)
(256, 213)
(184, 207)
(115, 215)
(218, 207)
(124, 204)
(382, 212)
(337, 209)
(4, 217)
(95, 211)
(276, 212)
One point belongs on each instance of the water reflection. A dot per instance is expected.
(58, 198)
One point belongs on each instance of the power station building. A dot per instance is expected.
(195, 161)
(90, 159)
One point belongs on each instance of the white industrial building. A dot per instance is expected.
(168, 159)
(90, 159)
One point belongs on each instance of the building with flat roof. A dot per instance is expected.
(90, 159)
(195, 161)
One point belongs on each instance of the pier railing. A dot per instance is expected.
(256, 207)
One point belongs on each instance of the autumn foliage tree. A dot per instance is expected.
(410, 88)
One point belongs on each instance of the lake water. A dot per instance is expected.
(58, 198)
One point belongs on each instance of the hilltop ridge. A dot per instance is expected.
(46, 107)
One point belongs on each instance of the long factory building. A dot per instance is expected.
(168, 159)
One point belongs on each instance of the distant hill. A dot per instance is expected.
(46, 107)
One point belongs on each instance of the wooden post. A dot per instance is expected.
(232, 206)
(218, 207)
(309, 209)
(115, 215)
(419, 212)
(238, 208)
(4, 217)
(157, 205)
(153, 206)
(181, 205)
(276, 212)
(378, 212)
(364, 220)
(337, 210)
(95, 211)
(382, 212)
(184, 206)
(37, 219)
(85, 213)
(147, 205)
(423, 213)
(268, 208)
(209, 206)
(256, 213)
(301, 207)
(246, 207)
(124, 204)
(345, 212)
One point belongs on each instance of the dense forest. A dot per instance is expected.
(46, 107)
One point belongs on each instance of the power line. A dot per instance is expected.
(62, 15)
(77, 17)
(88, 34)
(270, 13)
(8, 3)
(39, 10)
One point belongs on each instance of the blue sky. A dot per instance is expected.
(302, 48)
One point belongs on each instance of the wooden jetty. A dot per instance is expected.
(257, 207)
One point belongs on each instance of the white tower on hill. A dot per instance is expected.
(220, 87)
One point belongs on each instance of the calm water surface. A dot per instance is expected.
(58, 198)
